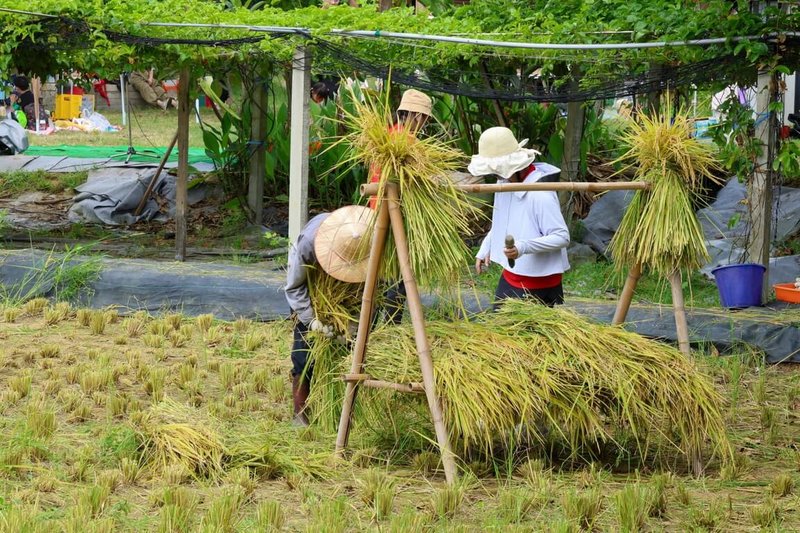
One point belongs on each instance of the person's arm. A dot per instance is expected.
(555, 234)
(150, 78)
(483, 257)
(300, 256)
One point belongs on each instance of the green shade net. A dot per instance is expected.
(143, 155)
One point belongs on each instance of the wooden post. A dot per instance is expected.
(760, 186)
(181, 192)
(420, 337)
(258, 157)
(36, 89)
(149, 190)
(625, 298)
(498, 110)
(298, 159)
(680, 312)
(571, 161)
(364, 321)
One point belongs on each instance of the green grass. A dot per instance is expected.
(599, 280)
(150, 127)
(20, 181)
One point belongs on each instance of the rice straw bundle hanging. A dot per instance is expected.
(586, 383)
(436, 214)
(660, 229)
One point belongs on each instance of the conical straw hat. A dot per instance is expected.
(343, 241)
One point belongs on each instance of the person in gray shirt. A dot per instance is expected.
(333, 242)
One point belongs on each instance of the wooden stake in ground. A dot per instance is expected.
(680, 312)
(364, 321)
(149, 190)
(181, 192)
(420, 336)
(625, 298)
(258, 160)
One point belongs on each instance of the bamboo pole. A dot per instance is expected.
(36, 87)
(625, 298)
(400, 387)
(152, 183)
(680, 312)
(364, 321)
(181, 191)
(420, 337)
(371, 189)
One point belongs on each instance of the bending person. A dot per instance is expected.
(333, 242)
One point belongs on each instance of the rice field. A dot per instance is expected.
(171, 424)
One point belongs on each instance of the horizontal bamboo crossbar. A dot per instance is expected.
(371, 189)
(367, 381)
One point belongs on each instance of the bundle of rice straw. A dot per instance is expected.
(336, 303)
(660, 229)
(171, 433)
(553, 370)
(436, 214)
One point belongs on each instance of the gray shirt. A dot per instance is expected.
(301, 257)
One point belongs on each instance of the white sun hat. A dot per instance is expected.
(500, 153)
(415, 101)
(343, 241)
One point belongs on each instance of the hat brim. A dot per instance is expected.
(328, 257)
(504, 166)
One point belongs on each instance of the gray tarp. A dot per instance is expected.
(111, 195)
(256, 291)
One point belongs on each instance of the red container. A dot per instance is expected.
(787, 292)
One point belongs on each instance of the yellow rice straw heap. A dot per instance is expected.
(436, 214)
(542, 368)
(660, 229)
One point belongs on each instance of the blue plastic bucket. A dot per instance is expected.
(740, 285)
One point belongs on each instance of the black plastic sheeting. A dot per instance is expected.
(227, 291)
(256, 292)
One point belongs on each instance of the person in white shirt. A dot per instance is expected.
(534, 265)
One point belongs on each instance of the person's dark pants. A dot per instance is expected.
(300, 351)
(395, 302)
(550, 296)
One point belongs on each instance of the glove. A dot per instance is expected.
(352, 329)
(318, 327)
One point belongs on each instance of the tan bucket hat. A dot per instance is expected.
(500, 153)
(342, 243)
(415, 101)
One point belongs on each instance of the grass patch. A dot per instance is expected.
(600, 280)
(17, 182)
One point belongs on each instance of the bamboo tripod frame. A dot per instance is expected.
(389, 215)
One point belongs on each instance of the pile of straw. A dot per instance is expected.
(436, 214)
(336, 303)
(552, 371)
(174, 434)
(660, 230)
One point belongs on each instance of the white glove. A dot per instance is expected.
(318, 327)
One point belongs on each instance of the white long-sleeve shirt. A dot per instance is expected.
(301, 257)
(535, 221)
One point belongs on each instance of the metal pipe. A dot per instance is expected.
(537, 46)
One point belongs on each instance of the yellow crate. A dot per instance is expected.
(68, 106)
